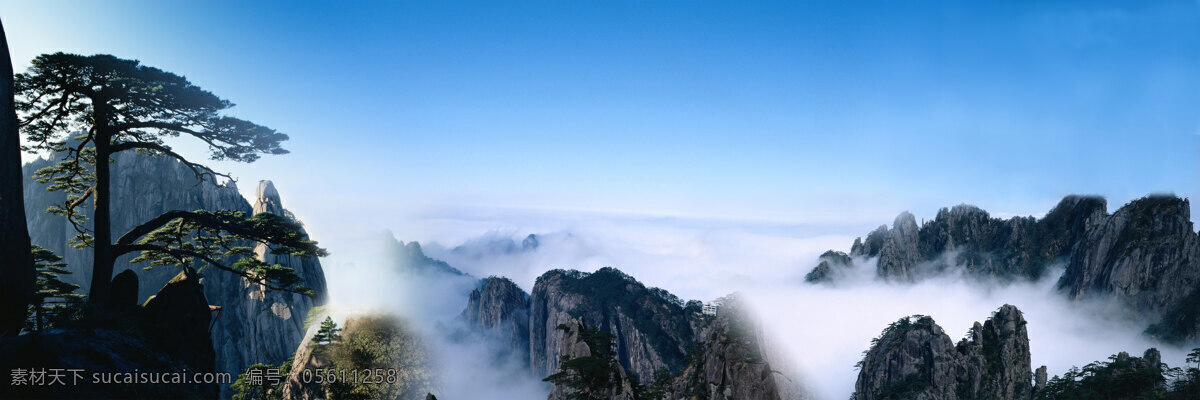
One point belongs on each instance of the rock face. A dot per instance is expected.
(1146, 254)
(912, 359)
(178, 321)
(657, 340)
(652, 331)
(898, 255)
(1039, 379)
(969, 238)
(267, 326)
(730, 362)
(16, 260)
(296, 387)
(915, 359)
(253, 325)
(573, 346)
(501, 309)
(832, 263)
(996, 357)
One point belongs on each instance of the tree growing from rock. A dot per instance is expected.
(261, 382)
(588, 377)
(328, 333)
(86, 109)
(54, 299)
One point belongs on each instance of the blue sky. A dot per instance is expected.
(794, 113)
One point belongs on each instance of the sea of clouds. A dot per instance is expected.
(822, 329)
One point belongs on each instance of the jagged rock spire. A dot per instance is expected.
(914, 358)
(266, 198)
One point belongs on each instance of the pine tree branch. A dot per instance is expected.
(181, 254)
(199, 170)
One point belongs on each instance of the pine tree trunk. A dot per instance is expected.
(16, 259)
(102, 270)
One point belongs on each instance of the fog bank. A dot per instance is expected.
(823, 328)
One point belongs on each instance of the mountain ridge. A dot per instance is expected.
(1145, 254)
(659, 342)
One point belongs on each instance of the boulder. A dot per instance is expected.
(178, 319)
(124, 291)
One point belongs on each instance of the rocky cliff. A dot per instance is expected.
(261, 325)
(597, 370)
(969, 238)
(728, 361)
(1146, 254)
(659, 345)
(500, 310)
(914, 359)
(253, 325)
(830, 266)
(652, 330)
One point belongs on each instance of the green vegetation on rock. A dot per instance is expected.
(655, 313)
(87, 109)
(1126, 377)
(328, 333)
(373, 357)
(588, 377)
(54, 300)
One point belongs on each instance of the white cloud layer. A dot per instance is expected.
(823, 328)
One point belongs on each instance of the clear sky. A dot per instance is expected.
(798, 113)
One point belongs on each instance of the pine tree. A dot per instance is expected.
(54, 299)
(86, 109)
(588, 377)
(328, 333)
